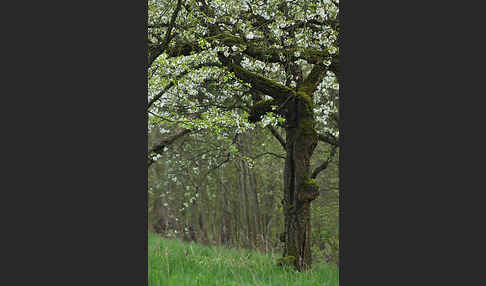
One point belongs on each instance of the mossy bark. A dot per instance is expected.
(299, 189)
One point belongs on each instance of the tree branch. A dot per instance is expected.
(328, 138)
(227, 159)
(277, 135)
(334, 67)
(172, 83)
(324, 165)
(271, 54)
(273, 89)
(268, 153)
(159, 148)
(157, 50)
(313, 79)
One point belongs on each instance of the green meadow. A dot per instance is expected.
(174, 263)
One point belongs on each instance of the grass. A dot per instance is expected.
(174, 263)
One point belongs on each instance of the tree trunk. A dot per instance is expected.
(299, 188)
(160, 224)
(256, 215)
(267, 216)
(202, 207)
(225, 215)
(159, 211)
(243, 185)
(237, 229)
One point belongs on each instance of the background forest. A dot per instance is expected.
(239, 203)
(243, 125)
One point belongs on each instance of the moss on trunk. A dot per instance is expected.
(300, 189)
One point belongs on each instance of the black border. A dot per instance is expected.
(81, 144)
